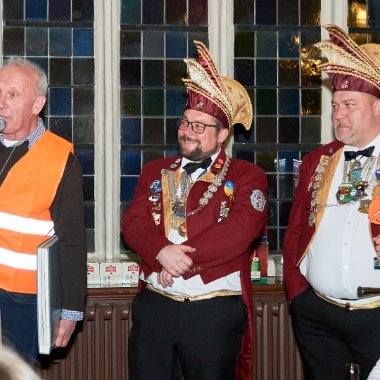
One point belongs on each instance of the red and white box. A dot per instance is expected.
(111, 273)
(131, 270)
(93, 271)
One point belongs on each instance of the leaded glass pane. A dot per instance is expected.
(311, 102)
(288, 71)
(176, 44)
(266, 73)
(266, 102)
(266, 130)
(153, 73)
(198, 12)
(245, 71)
(266, 44)
(266, 12)
(153, 131)
(310, 130)
(288, 12)
(130, 131)
(244, 44)
(266, 160)
(175, 12)
(288, 130)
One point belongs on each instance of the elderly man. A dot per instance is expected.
(192, 221)
(40, 193)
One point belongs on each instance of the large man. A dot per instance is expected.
(328, 248)
(192, 221)
(40, 193)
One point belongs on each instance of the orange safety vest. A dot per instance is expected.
(25, 222)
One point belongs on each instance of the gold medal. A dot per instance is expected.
(182, 230)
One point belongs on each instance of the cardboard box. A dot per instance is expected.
(93, 271)
(130, 273)
(111, 272)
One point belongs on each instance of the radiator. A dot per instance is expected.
(276, 354)
(100, 349)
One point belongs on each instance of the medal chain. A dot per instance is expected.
(179, 203)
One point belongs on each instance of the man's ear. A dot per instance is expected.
(39, 104)
(223, 133)
(376, 108)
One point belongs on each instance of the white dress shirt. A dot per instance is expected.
(341, 255)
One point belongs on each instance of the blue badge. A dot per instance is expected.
(377, 173)
(155, 186)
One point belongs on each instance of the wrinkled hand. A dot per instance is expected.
(376, 242)
(174, 259)
(65, 330)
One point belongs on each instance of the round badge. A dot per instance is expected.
(155, 186)
(258, 200)
(229, 188)
(378, 174)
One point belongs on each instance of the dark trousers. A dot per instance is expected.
(330, 336)
(198, 340)
(19, 323)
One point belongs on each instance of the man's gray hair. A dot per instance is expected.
(42, 79)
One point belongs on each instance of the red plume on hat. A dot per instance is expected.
(351, 67)
(208, 92)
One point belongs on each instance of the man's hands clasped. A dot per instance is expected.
(175, 262)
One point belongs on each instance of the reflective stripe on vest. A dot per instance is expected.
(25, 198)
(26, 225)
(18, 260)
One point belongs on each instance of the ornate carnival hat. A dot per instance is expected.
(351, 67)
(221, 97)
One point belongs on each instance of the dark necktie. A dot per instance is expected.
(350, 155)
(191, 167)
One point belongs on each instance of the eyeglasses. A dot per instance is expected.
(196, 126)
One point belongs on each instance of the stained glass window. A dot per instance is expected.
(155, 36)
(58, 35)
(276, 61)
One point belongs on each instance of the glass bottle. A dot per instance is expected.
(352, 371)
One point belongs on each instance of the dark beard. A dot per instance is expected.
(197, 154)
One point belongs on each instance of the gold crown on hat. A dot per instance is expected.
(350, 64)
(225, 93)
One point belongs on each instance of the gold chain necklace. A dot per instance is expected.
(6, 162)
(178, 216)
